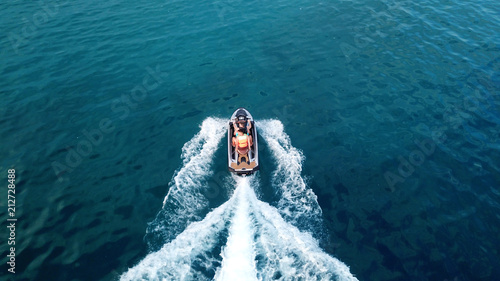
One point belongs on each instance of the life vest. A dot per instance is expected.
(243, 141)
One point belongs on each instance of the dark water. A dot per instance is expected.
(394, 105)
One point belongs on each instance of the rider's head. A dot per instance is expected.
(241, 120)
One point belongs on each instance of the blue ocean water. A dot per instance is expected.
(390, 107)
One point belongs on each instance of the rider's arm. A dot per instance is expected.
(235, 128)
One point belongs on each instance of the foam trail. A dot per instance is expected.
(261, 246)
(283, 252)
(244, 238)
(190, 256)
(298, 204)
(286, 253)
(185, 200)
(238, 256)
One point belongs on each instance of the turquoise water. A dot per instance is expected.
(393, 106)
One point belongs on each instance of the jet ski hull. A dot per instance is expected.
(237, 163)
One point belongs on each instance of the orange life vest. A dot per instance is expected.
(243, 141)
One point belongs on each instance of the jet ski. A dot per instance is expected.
(242, 146)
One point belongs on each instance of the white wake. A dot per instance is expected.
(244, 238)
(185, 199)
(238, 257)
(297, 204)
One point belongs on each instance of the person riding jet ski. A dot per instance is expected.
(242, 143)
(242, 140)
